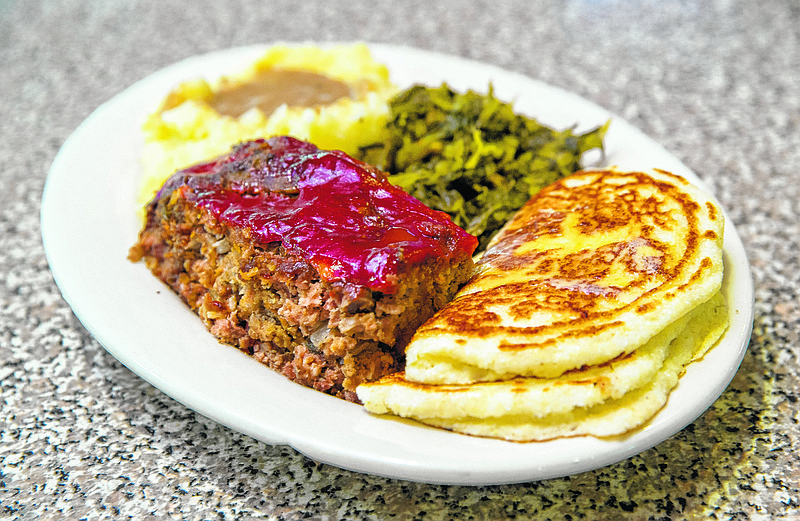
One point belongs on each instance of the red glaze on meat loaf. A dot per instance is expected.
(338, 213)
(309, 260)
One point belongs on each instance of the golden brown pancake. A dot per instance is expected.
(531, 396)
(606, 400)
(581, 317)
(590, 269)
(616, 416)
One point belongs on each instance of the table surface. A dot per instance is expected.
(716, 83)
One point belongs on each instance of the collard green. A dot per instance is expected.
(471, 156)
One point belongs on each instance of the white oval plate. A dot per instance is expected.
(89, 221)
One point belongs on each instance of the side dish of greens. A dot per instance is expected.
(471, 156)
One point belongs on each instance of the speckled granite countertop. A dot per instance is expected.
(716, 83)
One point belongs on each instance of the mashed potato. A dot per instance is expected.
(186, 129)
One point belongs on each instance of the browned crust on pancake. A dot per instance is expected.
(604, 202)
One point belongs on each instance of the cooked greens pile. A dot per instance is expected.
(471, 156)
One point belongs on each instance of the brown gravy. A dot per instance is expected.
(270, 89)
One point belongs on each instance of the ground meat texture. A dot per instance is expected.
(275, 306)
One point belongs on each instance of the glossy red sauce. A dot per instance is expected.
(338, 213)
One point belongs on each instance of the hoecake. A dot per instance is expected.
(589, 269)
(582, 315)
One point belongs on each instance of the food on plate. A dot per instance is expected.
(335, 97)
(606, 400)
(588, 270)
(472, 156)
(309, 260)
(583, 312)
(615, 416)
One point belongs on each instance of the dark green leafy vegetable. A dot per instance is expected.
(471, 156)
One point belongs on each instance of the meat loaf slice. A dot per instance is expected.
(308, 260)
